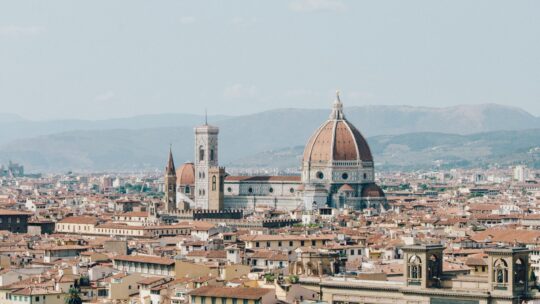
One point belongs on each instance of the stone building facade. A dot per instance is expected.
(425, 282)
(337, 171)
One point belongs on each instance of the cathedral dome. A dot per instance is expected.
(372, 191)
(337, 140)
(185, 175)
(346, 188)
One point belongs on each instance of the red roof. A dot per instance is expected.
(79, 220)
(144, 259)
(228, 292)
(13, 212)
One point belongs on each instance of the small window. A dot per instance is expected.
(320, 175)
(201, 153)
(250, 190)
(291, 190)
(345, 175)
(229, 189)
(365, 175)
(271, 190)
(257, 244)
(290, 243)
(313, 243)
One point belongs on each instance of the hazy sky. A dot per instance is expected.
(101, 59)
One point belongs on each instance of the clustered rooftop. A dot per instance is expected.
(334, 234)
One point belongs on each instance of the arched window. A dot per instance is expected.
(500, 272)
(201, 153)
(211, 154)
(520, 272)
(433, 267)
(213, 183)
(415, 268)
(187, 189)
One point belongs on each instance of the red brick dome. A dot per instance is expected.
(346, 188)
(185, 175)
(372, 191)
(337, 139)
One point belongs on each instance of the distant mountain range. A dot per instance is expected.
(401, 137)
(414, 151)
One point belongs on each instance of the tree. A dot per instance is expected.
(269, 277)
(73, 297)
(293, 279)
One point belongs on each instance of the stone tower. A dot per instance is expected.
(216, 179)
(206, 157)
(508, 271)
(170, 185)
(423, 265)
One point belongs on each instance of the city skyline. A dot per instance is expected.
(269, 152)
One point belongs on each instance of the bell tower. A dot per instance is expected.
(423, 265)
(508, 270)
(170, 185)
(206, 157)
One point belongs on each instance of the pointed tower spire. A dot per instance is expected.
(170, 164)
(337, 109)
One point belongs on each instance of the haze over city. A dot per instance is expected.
(108, 59)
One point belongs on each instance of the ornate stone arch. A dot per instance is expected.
(414, 265)
(500, 271)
